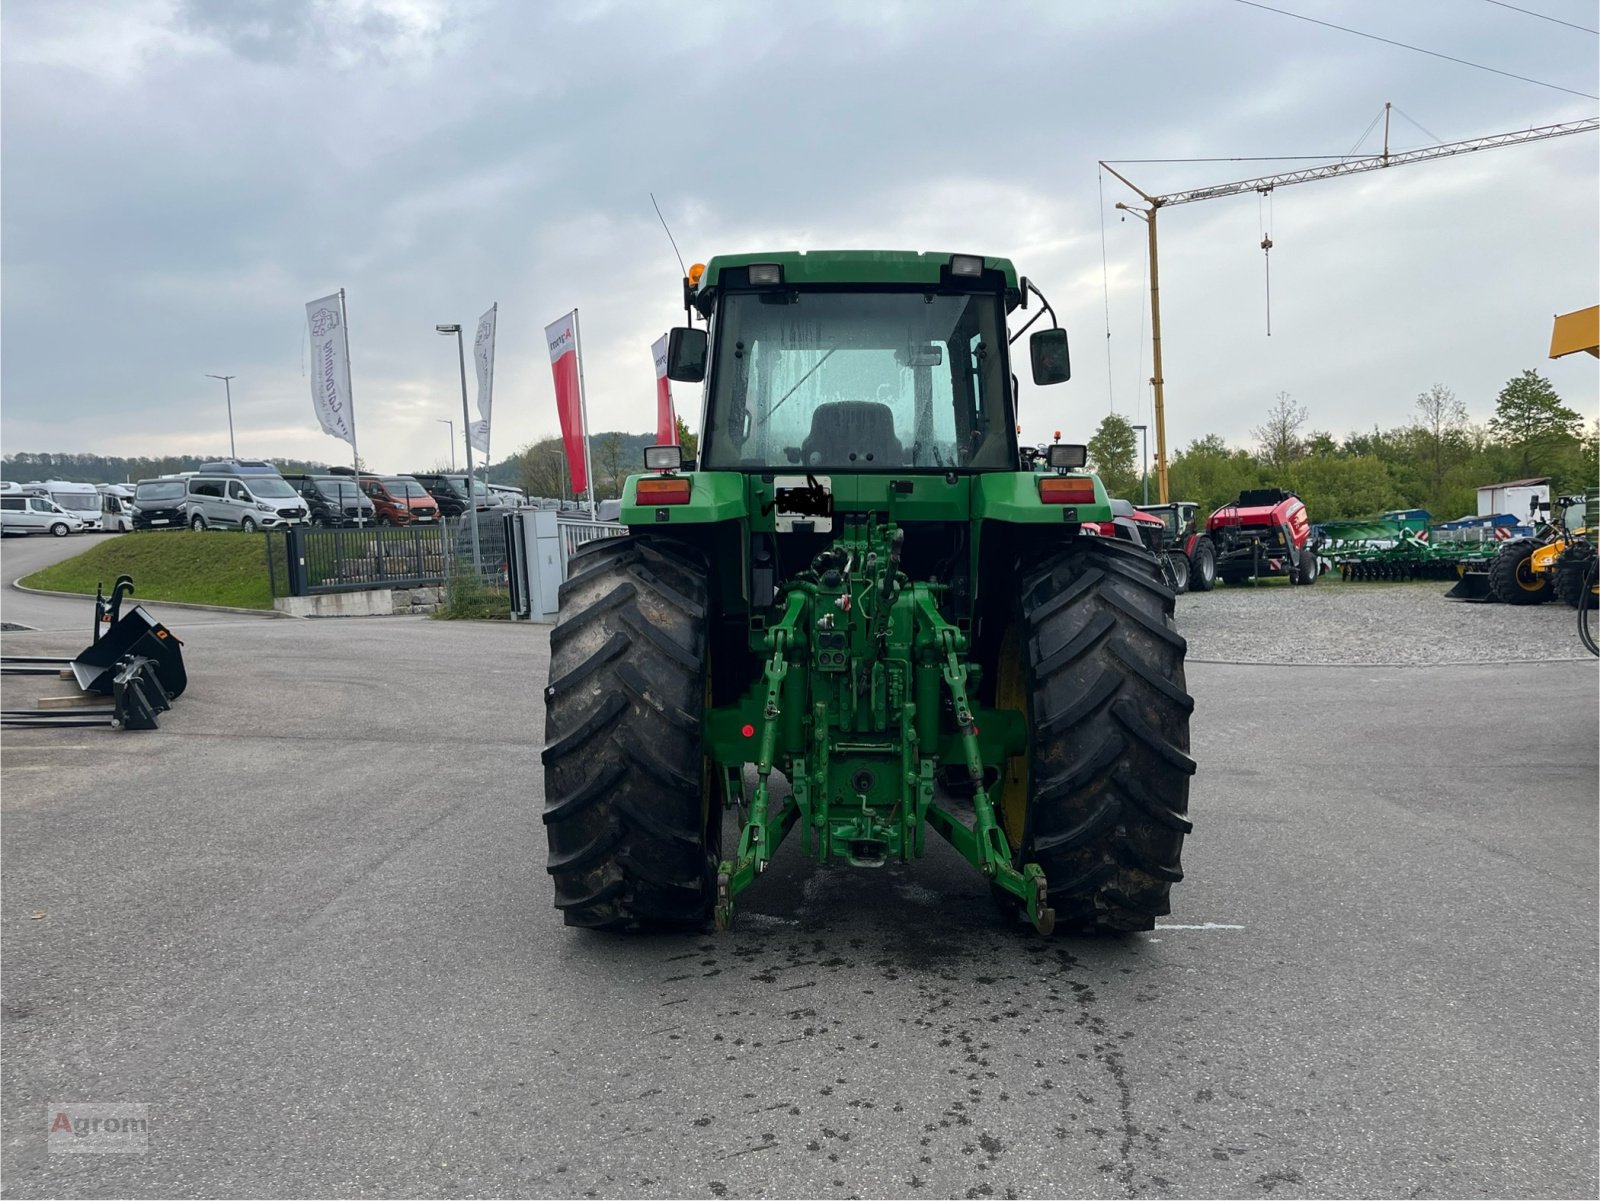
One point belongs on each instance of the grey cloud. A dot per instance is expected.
(175, 222)
(260, 31)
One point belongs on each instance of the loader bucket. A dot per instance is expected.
(134, 633)
(1471, 586)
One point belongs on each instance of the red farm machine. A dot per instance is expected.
(1190, 553)
(1264, 533)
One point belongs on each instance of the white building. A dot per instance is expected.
(1514, 496)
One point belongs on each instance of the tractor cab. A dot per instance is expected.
(1178, 516)
(845, 364)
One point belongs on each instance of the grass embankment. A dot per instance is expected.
(207, 568)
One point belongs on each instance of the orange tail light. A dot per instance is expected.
(669, 490)
(1066, 490)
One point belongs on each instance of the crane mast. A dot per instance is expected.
(1267, 183)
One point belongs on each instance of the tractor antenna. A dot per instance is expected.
(670, 238)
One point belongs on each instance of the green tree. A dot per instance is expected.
(1338, 487)
(688, 440)
(1113, 453)
(541, 470)
(1440, 440)
(610, 471)
(1210, 473)
(1531, 421)
(1278, 438)
(1321, 442)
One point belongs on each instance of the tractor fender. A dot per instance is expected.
(1544, 558)
(714, 496)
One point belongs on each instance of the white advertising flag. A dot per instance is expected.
(330, 368)
(483, 355)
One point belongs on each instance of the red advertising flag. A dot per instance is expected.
(666, 419)
(563, 342)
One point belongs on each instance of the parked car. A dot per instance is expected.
(35, 515)
(334, 500)
(450, 491)
(242, 495)
(158, 504)
(400, 500)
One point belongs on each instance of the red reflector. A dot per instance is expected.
(1066, 490)
(669, 491)
(748, 730)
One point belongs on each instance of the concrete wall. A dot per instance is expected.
(367, 602)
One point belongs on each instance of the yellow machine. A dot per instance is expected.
(1575, 332)
(1565, 559)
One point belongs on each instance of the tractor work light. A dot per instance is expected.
(968, 265)
(1064, 456)
(766, 273)
(663, 458)
(1066, 490)
(673, 490)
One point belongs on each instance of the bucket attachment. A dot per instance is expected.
(133, 659)
(1472, 586)
(133, 633)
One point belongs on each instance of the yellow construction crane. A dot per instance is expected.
(1268, 183)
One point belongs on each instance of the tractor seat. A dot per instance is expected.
(852, 433)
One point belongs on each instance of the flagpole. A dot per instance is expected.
(488, 427)
(349, 391)
(583, 407)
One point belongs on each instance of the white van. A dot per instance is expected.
(116, 508)
(80, 500)
(36, 514)
(246, 496)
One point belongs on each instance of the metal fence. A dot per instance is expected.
(492, 560)
(574, 533)
(302, 561)
(305, 561)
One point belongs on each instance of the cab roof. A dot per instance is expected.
(854, 266)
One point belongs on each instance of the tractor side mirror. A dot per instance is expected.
(1051, 363)
(686, 355)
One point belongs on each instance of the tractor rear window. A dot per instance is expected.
(858, 381)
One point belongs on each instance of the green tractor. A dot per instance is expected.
(864, 612)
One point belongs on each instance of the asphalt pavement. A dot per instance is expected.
(307, 922)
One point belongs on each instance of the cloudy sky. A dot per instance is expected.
(181, 176)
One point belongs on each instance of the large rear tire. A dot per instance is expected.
(634, 824)
(1106, 783)
(1306, 571)
(1203, 566)
(1510, 577)
(1569, 574)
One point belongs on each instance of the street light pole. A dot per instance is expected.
(228, 392)
(1144, 459)
(452, 425)
(466, 424)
